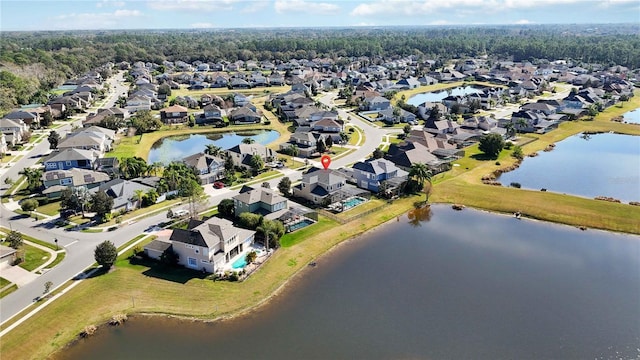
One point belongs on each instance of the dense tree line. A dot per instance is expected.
(57, 55)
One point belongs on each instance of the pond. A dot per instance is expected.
(632, 116)
(174, 148)
(589, 166)
(436, 96)
(436, 284)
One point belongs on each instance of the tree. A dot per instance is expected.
(383, 189)
(421, 173)
(250, 220)
(29, 205)
(144, 122)
(34, 178)
(139, 195)
(133, 167)
(212, 150)
(101, 204)
(320, 146)
(491, 145)
(434, 114)
(150, 197)
(228, 163)
(406, 129)
(256, 163)
(106, 254)
(329, 142)
(272, 231)
(47, 119)
(226, 208)
(251, 257)
(54, 139)
(111, 122)
(15, 239)
(517, 153)
(510, 128)
(248, 140)
(285, 186)
(377, 153)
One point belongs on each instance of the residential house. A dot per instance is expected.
(205, 245)
(211, 114)
(396, 116)
(14, 130)
(327, 125)
(208, 167)
(138, 103)
(304, 140)
(259, 201)
(371, 173)
(58, 180)
(71, 158)
(241, 100)
(245, 115)
(532, 121)
(324, 187)
(375, 103)
(31, 119)
(123, 193)
(93, 138)
(241, 154)
(404, 155)
(96, 119)
(408, 83)
(7, 256)
(175, 114)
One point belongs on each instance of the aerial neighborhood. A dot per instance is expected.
(326, 105)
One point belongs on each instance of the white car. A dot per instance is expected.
(180, 213)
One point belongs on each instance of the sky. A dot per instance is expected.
(27, 15)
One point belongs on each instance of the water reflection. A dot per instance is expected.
(419, 215)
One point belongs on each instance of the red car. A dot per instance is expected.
(218, 185)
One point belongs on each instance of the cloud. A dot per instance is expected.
(414, 7)
(288, 6)
(201, 25)
(104, 20)
(192, 5)
(254, 6)
(112, 3)
(523, 22)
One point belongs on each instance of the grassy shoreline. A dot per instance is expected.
(208, 300)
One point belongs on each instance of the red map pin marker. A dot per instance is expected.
(326, 161)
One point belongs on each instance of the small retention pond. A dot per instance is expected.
(632, 116)
(585, 165)
(437, 96)
(178, 147)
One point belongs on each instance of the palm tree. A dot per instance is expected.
(213, 150)
(510, 128)
(139, 194)
(266, 231)
(153, 168)
(248, 140)
(521, 124)
(421, 173)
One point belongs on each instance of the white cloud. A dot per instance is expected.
(105, 20)
(201, 25)
(112, 3)
(255, 6)
(192, 5)
(523, 22)
(289, 6)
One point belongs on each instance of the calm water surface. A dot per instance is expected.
(464, 285)
(632, 116)
(439, 95)
(177, 147)
(596, 165)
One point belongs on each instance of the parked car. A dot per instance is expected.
(180, 213)
(218, 184)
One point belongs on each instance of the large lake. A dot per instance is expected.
(464, 285)
(632, 116)
(173, 148)
(590, 166)
(437, 96)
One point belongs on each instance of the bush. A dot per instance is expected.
(508, 145)
(515, 185)
(498, 163)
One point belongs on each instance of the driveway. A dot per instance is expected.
(17, 275)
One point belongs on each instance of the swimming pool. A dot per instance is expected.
(240, 263)
(299, 225)
(353, 202)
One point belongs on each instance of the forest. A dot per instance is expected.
(32, 63)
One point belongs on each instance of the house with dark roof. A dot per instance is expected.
(245, 115)
(371, 173)
(30, 118)
(208, 167)
(209, 245)
(123, 193)
(241, 154)
(259, 201)
(71, 158)
(210, 114)
(408, 153)
(375, 103)
(175, 114)
(324, 187)
(327, 125)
